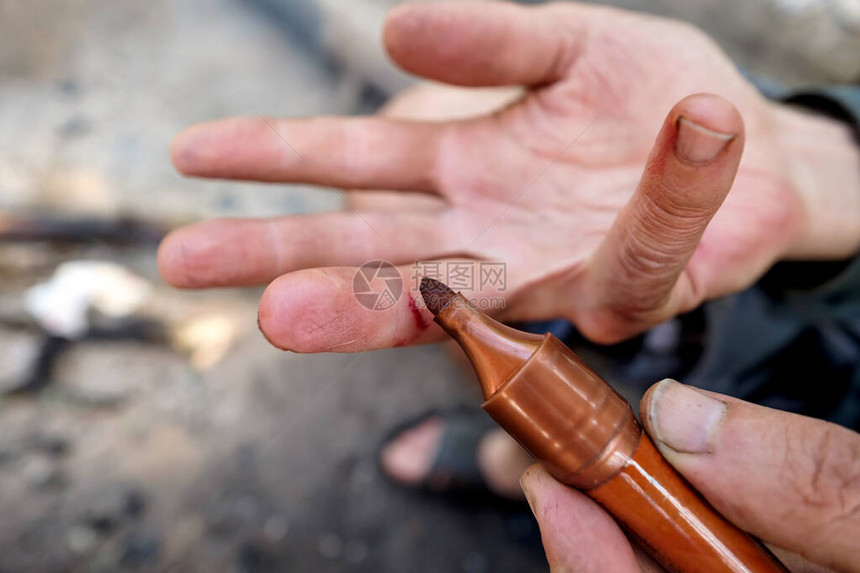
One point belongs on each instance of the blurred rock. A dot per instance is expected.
(233, 514)
(134, 502)
(81, 539)
(183, 537)
(61, 305)
(114, 505)
(115, 383)
(207, 338)
(41, 473)
(19, 352)
(54, 445)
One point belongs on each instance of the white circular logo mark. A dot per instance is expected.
(377, 285)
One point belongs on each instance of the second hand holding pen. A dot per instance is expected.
(585, 434)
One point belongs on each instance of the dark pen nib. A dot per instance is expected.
(437, 295)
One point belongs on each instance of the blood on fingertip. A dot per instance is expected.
(421, 323)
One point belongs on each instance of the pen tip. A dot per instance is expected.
(437, 296)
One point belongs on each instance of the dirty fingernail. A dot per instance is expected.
(530, 482)
(684, 418)
(697, 144)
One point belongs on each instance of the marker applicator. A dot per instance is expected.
(586, 435)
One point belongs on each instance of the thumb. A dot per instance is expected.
(577, 534)
(790, 480)
(636, 274)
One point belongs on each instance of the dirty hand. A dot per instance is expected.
(792, 481)
(552, 185)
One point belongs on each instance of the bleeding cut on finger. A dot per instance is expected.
(353, 309)
(331, 310)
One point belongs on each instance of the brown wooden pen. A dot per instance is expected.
(586, 436)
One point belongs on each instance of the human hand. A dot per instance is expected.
(547, 185)
(792, 481)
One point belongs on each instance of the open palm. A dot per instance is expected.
(552, 184)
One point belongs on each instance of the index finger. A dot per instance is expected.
(330, 310)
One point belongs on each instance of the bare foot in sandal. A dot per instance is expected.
(455, 452)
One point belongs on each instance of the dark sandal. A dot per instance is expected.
(454, 472)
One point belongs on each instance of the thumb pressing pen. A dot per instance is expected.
(585, 434)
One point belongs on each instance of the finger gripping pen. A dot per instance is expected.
(586, 436)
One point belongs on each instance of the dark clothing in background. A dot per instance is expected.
(792, 341)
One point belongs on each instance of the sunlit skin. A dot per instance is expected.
(573, 241)
(577, 183)
(790, 480)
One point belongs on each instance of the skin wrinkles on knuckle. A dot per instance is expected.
(697, 186)
(823, 472)
(275, 236)
(276, 157)
(643, 253)
(665, 207)
(643, 278)
(655, 249)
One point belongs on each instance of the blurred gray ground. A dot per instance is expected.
(134, 460)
